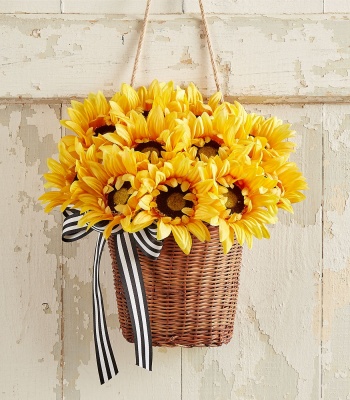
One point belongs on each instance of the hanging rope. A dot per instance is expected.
(207, 35)
(139, 46)
(211, 52)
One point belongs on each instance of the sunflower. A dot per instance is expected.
(172, 98)
(196, 104)
(61, 177)
(290, 181)
(89, 118)
(224, 133)
(171, 199)
(157, 135)
(270, 136)
(205, 141)
(109, 191)
(248, 202)
(123, 102)
(164, 92)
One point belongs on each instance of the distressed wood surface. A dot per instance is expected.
(291, 338)
(336, 274)
(237, 7)
(264, 7)
(32, 6)
(264, 57)
(30, 284)
(337, 6)
(121, 7)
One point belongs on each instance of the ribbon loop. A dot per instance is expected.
(70, 229)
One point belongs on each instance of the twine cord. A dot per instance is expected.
(210, 47)
(139, 46)
(207, 35)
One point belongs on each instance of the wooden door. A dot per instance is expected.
(290, 59)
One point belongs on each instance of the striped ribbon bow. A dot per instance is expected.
(131, 277)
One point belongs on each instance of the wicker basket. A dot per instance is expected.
(191, 299)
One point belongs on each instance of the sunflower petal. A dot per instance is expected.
(182, 238)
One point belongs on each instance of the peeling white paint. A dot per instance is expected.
(291, 338)
(30, 280)
(270, 56)
(264, 7)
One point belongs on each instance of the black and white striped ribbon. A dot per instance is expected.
(132, 281)
(106, 365)
(70, 229)
(131, 278)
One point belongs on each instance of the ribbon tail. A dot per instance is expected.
(107, 367)
(134, 290)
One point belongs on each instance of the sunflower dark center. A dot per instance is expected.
(171, 203)
(210, 149)
(119, 196)
(149, 146)
(235, 200)
(102, 130)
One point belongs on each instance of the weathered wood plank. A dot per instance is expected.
(121, 7)
(303, 57)
(80, 374)
(264, 7)
(275, 350)
(33, 6)
(336, 274)
(30, 284)
(337, 6)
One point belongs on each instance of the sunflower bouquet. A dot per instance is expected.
(161, 156)
(176, 185)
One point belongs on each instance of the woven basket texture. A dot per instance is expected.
(191, 299)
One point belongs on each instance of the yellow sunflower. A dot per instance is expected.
(225, 133)
(171, 199)
(248, 202)
(157, 135)
(123, 102)
(61, 177)
(205, 141)
(89, 118)
(271, 137)
(163, 91)
(109, 191)
(176, 99)
(196, 103)
(290, 181)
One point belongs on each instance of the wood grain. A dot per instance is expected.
(337, 6)
(291, 338)
(32, 6)
(336, 274)
(121, 7)
(280, 56)
(264, 7)
(30, 283)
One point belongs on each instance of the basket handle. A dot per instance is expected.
(207, 35)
